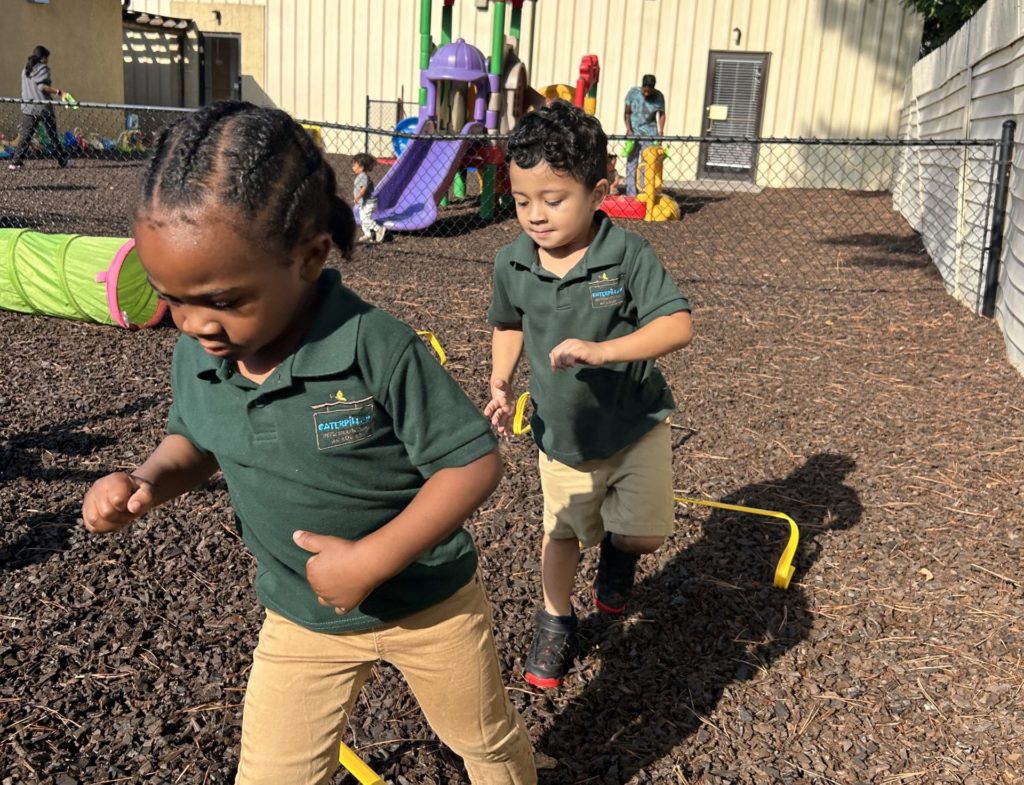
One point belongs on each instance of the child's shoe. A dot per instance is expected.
(551, 653)
(615, 571)
(379, 234)
(15, 167)
(366, 238)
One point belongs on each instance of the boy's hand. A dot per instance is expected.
(337, 571)
(573, 351)
(500, 408)
(115, 501)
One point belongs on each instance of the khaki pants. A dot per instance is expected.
(304, 684)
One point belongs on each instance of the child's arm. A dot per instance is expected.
(174, 467)
(343, 572)
(661, 336)
(358, 198)
(506, 349)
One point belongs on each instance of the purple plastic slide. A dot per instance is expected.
(408, 195)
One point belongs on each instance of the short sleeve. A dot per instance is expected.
(502, 312)
(42, 76)
(177, 423)
(630, 94)
(652, 289)
(439, 426)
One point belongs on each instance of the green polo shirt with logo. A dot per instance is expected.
(619, 285)
(338, 441)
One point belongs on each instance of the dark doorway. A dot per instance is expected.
(733, 106)
(223, 53)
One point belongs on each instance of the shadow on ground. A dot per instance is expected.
(710, 617)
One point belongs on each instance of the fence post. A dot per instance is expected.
(1004, 158)
(366, 140)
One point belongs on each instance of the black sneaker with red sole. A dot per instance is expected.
(614, 582)
(551, 653)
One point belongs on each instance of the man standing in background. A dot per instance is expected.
(645, 118)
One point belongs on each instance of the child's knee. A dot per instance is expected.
(633, 544)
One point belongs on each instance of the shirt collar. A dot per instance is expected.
(606, 249)
(329, 346)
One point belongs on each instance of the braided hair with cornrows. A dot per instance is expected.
(255, 160)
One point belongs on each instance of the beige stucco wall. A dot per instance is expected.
(244, 17)
(246, 20)
(84, 39)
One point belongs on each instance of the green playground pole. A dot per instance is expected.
(490, 177)
(446, 38)
(424, 44)
(498, 37)
(446, 24)
(490, 170)
(516, 22)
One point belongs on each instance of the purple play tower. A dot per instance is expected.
(456, 62)
(408, 195)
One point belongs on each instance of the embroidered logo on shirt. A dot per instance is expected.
(338, 423)
(606, 293)
(340, 396)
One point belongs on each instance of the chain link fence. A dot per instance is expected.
(795, 214)
(382, 113)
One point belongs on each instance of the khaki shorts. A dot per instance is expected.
(627, 493)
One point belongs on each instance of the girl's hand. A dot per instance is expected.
(338, 572)
(573, 351)
(500, 409)
(115, 501)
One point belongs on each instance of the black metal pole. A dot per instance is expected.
(1004, 158)
(366, 140)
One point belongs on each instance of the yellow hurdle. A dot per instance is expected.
(441, 356)
(354, 765)
(783, 570)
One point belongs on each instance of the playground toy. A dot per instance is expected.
(442, 358)
(93, 279)
(463, 94)
(354, 765)
(783, 569)
(652, 204)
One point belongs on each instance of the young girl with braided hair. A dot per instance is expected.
(351, 457)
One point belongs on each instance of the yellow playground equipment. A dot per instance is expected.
(659, 206)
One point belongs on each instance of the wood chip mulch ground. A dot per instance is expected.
(832, 378)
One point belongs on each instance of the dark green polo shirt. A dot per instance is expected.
(297, 456)
(619, 285)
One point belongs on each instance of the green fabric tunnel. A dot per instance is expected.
(93, 279)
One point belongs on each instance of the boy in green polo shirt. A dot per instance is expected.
(351, 457)
(594, 307)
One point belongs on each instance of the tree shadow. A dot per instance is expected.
(709, 618)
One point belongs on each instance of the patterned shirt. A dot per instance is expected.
(644, 111)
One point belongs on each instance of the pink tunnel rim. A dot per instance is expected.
(110, 278)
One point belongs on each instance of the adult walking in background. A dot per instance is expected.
(645, 118)
(36, 88)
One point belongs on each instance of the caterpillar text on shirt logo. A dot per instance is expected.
(338, 423)
(604, 294)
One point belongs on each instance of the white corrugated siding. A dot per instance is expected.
(969, 87)
(837, 66)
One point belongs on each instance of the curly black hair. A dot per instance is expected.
(258, 161)
(565, 138)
